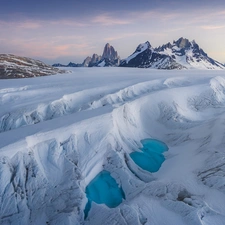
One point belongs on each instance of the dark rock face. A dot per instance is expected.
(183, 43)
(12, 66)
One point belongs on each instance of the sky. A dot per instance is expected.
(70, 30)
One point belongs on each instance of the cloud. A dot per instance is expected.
(129, 35)
(42, 48)
(37, 24)
(155, 15)
(29, 25)
(68, 22)
(212, 27)
(107, 20)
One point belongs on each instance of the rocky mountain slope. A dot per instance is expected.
(12, 66)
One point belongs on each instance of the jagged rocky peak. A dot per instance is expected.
(109, 53)
(182, 43)
(163, 47)
(143, 46)
(86, 62)
(95, 58)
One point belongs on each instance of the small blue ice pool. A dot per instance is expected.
(103, 189)
(151, 157)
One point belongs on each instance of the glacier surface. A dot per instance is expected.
(58, 132)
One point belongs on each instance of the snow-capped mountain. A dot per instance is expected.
(12, 66)
(181, 54)
(146, 57)
(189, 54)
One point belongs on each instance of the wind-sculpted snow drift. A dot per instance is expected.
(58, 135)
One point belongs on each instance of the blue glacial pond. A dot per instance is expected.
(151, 157)
(103, 189)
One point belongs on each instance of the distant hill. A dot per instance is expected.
(12, 66)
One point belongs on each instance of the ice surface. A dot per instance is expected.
(59, 132)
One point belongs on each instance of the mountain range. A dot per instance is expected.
(180, 54)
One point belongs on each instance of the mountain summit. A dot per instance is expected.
(109, 57)
(109, 53)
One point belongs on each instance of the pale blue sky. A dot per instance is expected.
(70, 30)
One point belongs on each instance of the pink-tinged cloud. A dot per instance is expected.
(51, 51)
(41, 48)
(36, 24)
(154, 15)
(69, 22)
(107, 20)
(208, 27)
(29, 25)
(21, 24)
(128, 35)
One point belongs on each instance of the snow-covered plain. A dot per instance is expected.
(58, 132)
